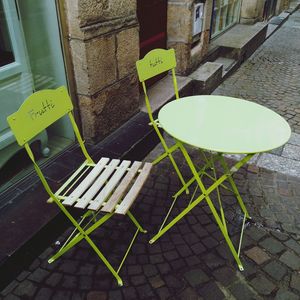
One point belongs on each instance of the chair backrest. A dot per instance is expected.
(39, 111)
(155, 62)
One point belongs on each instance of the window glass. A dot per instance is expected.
(6, 53)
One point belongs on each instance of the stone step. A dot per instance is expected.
(228, 64)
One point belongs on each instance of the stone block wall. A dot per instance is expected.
(104, 45)
(251, 11)
(180, 22)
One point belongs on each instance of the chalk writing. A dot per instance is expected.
(45, 107)
(156, 61)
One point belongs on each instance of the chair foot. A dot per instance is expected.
(51, 260)
(143, 231)
(151, 241)
(120, 282)
(241, 268)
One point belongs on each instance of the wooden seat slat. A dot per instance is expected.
(97, 185)
(120, 190)
(110, 185)
(89, 179)
(135, 189)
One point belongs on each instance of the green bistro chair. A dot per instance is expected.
(99, 189)
(154, 63)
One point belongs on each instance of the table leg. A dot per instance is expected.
(205, 195)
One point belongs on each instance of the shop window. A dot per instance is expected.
(225, 14)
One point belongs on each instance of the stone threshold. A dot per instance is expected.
(284, 160)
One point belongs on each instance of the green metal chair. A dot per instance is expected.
(154, 63)
(100, 189)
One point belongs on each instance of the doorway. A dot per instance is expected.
(152, 16)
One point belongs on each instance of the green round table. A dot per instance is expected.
(224, 124)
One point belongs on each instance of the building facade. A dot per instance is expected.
(91, 46)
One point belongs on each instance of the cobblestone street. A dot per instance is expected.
(192, 260)
(271, 75)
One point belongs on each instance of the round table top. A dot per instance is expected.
(224, 124)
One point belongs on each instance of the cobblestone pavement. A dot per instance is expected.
(271, 75)
(192, 261)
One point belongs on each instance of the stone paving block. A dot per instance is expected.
(292, 244)
(255, 233)
(280, 235)
(11, 297)
(291, 152)
(9, 288)
(85, 282)
(54, 279)
(129, 293)
(275, 270)
(279, 164)
(38, 275)
(210, 242)
(193, 261)
(190, 294)
(156, 281)
(163, 293)
(262, 285)
(295, 282)
(211, 291)
(144, 291)
(225, 275)
(196, 277)
(150, 270)
(44, 294)
(198, 248)
(285, 295)
(23, 275)
(96, 295)
(242, 291)
(272, 245)
(212, 261)
(291, 260)
(294, 139)
(26, 289)
(115, 295)
(69, 282)
(257, 255)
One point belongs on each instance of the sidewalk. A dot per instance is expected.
(192, 261)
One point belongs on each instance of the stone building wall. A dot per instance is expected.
(252, 11)
(103, 39)
(104, 45)
(180, 23)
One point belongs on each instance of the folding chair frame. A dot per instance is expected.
(28, 121)
(154, 63)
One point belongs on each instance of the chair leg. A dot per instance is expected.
(84, 234)
(78, 238)
(135, 222)
(106, 262)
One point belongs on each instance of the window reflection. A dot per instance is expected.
(6, 53)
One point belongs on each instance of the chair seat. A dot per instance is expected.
(110, 186)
